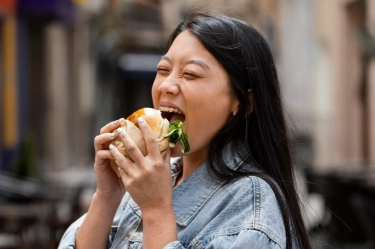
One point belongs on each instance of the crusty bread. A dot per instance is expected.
(158, 125)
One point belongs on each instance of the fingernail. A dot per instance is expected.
(120, 130)
(118, 121)
(112, 135)
(111, 146)
(118, 168)
(141, 120)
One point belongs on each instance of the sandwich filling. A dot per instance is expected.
(175, 133)
(171, 114)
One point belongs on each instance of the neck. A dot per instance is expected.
(190, 163)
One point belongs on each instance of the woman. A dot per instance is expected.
(235, 187)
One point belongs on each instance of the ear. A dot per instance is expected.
(235, 106)
(251, 98)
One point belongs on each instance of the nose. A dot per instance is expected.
(169, 86)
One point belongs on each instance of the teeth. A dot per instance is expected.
(169, 109)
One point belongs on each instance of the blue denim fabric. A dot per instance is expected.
(209, 214)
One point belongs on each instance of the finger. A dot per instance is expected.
(149, 137)
(124, 176)
(103, 155)
(100, 141)
(111, 126)
(130, 146)
(123, 162)
(101, 158)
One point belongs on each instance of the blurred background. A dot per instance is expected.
(68, 67)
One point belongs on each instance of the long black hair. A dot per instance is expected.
(258, 130)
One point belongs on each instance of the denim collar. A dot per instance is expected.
(191, 195)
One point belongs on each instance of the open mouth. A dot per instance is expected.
(171, 114)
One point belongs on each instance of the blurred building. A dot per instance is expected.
(47, 84)
(69, 67)
(344, 82)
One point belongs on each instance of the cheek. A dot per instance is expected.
(212, 115)
(206, 122)
(155, 93)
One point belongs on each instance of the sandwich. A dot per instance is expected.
(167, 134)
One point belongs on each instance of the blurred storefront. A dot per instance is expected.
(46, 107)
(345, 83)
(343, 90)
(48, 85)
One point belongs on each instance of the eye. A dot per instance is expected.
(162, 70)
(190, 76)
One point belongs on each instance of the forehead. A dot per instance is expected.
(186, 45)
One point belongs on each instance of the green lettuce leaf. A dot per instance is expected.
(177, 136)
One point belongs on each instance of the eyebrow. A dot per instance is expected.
(197, 62)
(164, 57)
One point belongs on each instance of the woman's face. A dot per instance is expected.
(193, 85)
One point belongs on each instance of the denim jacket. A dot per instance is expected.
(209, 214)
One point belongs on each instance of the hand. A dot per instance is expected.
(109, 185)
(146, 178)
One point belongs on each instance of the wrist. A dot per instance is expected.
(107, 199)
(156, 214)
(159, 227)
(93, 232)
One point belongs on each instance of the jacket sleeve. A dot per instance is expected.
(251, 239)
(68, 240)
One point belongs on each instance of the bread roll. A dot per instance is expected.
(158, 125)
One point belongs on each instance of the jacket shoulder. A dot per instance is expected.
(267, 215)
(254, 205)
